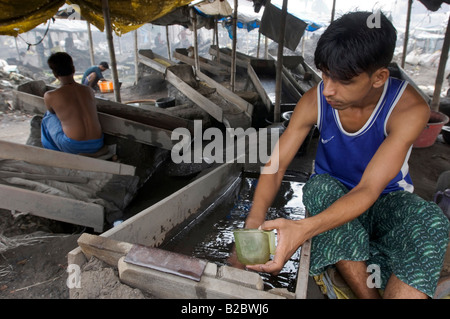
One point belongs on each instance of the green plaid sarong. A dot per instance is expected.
(401, 233)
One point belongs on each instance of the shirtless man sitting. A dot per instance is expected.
(71, 123)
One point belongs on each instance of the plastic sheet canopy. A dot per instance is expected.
(21, 17)
(126, 15)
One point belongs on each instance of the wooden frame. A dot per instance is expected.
(152, 225)
(53, 207)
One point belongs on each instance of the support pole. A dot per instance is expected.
(168, 42)
(333, 11)
(441, 70)
(136, 58)
(194, 26)
(91, 43)
(233, 54)
(259, 45)
(266, 48)
(405, 41)
(18, 52)
(216, 32)
(112, 55)
(276, 111)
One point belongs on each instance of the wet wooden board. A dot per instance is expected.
(46, 157)
(166, 261)
(53, 207)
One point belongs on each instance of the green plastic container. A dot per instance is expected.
(254, 246)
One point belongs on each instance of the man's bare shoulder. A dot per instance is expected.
(413, 103)
(411, 112)
(306, 108)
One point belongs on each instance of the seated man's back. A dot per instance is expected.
(71, 123)
(74, 105)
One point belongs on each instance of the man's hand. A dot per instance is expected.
(290, 235)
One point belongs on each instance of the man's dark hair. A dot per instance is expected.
(350, 45)
(61, 64)
(104, 64)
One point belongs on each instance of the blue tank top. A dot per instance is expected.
(345, 155)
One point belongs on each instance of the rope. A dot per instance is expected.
(42, 39)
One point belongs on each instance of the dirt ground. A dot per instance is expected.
(33, 262)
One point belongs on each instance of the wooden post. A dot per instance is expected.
(216, 32)
(109, 38)
(333, 10)
(136, 58)
(194, 26)
(233, 53)
(18, 52)
(91, 43)
(259, 44)
(276, 111)
(405, 41)
(168, 42)
(441, 69)
(266, 47)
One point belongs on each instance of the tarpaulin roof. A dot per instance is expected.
(126, 15)
(17, 18)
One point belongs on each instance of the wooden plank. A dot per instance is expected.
(210, 66)
(128, 126)
(113, 252)
(155, 61)
(151, 226)
(139, 132)
(157, 118)
(46, 157)
(53, 207)
(163, 285)
(226, 56)
(227, 94)
(290, 86)
(303, 271)
(207, 105)
(301, 288)
(29, 102)
(105, 249)
(259, 88)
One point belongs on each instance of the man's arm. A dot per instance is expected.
(301, 122)
(47, 101)
(404, 126)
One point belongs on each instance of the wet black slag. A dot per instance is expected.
(210, 237)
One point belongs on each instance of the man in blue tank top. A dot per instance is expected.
(362, 212)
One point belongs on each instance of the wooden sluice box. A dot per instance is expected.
(178, 248)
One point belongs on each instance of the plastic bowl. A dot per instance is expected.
(254, 246)
(165, 102)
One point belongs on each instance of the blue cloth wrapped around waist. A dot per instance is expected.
(54, 138)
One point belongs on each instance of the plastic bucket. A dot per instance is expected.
(430, 133)
(254, 246)
(106, 86)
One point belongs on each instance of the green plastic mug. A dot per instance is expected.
(254, 246)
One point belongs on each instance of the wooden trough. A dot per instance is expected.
(149, 132)
(236, 112)
(153, 225)
(59, 208)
